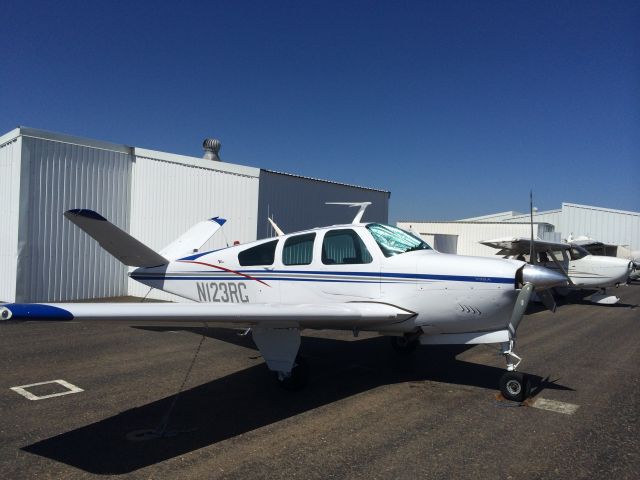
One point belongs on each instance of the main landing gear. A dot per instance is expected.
(513, 385)
(297, 379)
(405, 344)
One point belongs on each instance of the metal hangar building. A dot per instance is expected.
(615, 227)
(155, 196)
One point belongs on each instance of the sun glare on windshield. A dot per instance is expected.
(393, 240)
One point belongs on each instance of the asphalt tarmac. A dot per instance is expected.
(366, 413)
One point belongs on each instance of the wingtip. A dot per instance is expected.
(219, 221)
(34, 311)
(82, 212)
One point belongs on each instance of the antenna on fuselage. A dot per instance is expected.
(275, 227)
(363, 206)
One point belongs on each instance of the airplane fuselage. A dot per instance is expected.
(448, 293)
(594, 271)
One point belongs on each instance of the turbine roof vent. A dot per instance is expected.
(211, 148)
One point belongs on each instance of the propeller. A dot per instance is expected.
(543, 294)
(532, 250)
(547, 299)
(519, 308)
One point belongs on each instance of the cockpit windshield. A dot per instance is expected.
(394, 240)
(578, 252)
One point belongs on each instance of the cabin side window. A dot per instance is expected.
(298, 250)
(342, 247)
(262, 254)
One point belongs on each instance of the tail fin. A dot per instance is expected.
(133, 252)
(117, 242)
(193, 239)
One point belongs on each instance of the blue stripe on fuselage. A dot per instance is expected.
(273, 275)
(201, 254)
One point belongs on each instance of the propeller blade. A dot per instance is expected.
(547, 299)
(519, 308)
(532, 250)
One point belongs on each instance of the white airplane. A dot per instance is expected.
(595, 247)
(358, 277)
(581, 269)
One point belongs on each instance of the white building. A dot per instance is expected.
(616, 227)
(155, 196)
(463, 237)
(610, 226)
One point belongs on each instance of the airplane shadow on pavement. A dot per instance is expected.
(250, 399)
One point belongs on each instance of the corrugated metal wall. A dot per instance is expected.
(469, 234)
(57, 261)
(606, 225)
(298, 203)
(171, 193)
(611, 226)
(155, 196)
(554, 217)
(10, 148)
(492, 217)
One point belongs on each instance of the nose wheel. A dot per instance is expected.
(513, 385)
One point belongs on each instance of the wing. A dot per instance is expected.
(517, 246)
(356, 314)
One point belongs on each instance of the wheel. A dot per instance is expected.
(298, 378)
(404, 345)
(514, 386)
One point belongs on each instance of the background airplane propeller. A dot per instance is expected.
(545, 296)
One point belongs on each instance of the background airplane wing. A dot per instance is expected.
(516, 246)
(334, 314)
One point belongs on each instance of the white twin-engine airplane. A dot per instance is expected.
(358, 277)
(580, 268)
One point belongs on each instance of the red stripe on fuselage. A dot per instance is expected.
(226, 270)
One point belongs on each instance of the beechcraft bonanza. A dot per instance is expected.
(581, 269)
(357, 277)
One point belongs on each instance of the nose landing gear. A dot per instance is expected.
(513, 385)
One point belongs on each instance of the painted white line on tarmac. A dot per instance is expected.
(554, 406)
(22, 390)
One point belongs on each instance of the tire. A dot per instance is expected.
(299, 376)
(404, 345)
(514, 386)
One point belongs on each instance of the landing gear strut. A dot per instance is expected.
(513, 385)
(405, 344)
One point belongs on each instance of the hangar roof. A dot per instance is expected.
(326, 181)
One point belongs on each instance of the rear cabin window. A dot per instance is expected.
(262, 254)
(342, 247)
(298, 250)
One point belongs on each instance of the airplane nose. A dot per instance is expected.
(542, 277)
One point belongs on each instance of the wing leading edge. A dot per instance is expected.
(302, 315)
(515, 246)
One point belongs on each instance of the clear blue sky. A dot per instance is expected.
(459, 108)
